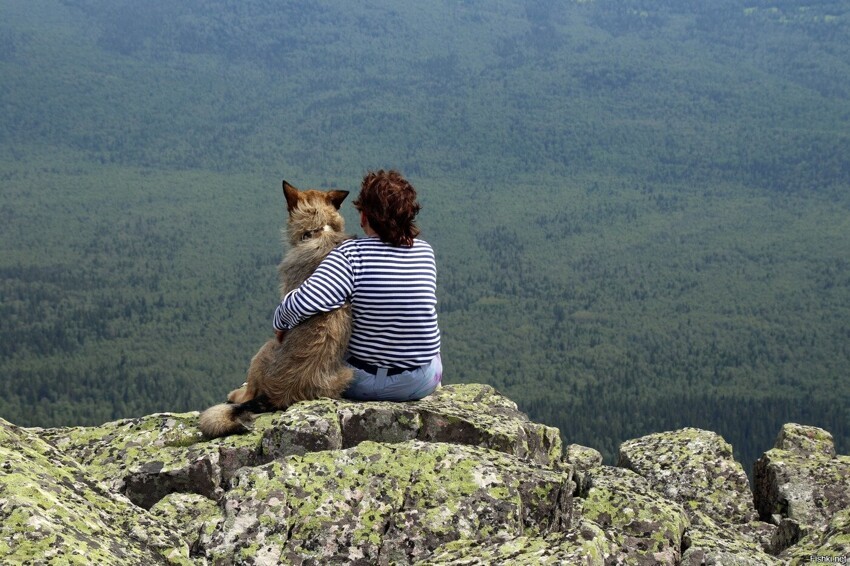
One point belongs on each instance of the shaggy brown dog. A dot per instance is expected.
(307, 364)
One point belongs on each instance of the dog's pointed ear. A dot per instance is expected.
(336, 198)
(291, 194)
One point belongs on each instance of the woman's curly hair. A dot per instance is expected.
(389, 202)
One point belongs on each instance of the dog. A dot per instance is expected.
(308, 362)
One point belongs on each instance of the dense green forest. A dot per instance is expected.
(641, 208)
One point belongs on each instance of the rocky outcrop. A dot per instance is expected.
(390, 504)
(462, 477)
(802, 486)
(695, 468)
(54, 512)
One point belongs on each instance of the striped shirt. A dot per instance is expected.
(393, 297)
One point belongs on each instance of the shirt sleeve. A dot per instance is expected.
(328, 288)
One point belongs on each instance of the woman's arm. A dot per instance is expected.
(328, 288)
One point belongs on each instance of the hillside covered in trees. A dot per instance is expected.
(641, 208)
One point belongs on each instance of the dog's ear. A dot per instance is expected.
(291, 194)
(336, 198)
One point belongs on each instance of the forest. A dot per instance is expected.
(640, 208)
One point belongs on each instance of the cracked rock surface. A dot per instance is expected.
(462, 477)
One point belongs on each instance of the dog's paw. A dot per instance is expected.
(238, 395)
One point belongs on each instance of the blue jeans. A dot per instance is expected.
(405, 386)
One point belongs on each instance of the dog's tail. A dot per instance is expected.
(232, 418)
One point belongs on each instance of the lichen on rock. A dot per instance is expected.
(585, 544)
(386, 503)
(461, 477)
(478, 415)
(583, 461)
(52, 512)
(647, 527)
(832, 542)
(147, 458)
(708, 541)
(801, 482)
(695, 468)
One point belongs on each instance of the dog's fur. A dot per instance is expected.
(308, 363)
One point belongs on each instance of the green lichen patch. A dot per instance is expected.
(831, 542)
(586, 544)
(478, 415)
(149, 457)
(805, 440)
(158, 430)
(309, 426)
(583, 461)
(379, 422)
(709, 542)
(807, 488)
(388, 502)
(647, 527)
(194, 517)
(472, 396)
(583, 457)
(695, 468)
(51, 513)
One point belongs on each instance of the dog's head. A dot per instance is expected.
(311, 213)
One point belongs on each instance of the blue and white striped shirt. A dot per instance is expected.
(393, 295)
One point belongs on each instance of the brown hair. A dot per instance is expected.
(389, 202)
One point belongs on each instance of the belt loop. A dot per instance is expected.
(381, 378)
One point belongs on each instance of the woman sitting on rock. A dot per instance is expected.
(390, 279)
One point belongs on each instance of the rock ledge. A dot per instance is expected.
(461, 477)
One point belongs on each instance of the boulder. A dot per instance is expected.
(708, 541)
(801, 484)
(461, 477)
(830, 545)
(52, 511)
(695, 468)
(147, 458)
(646, 527)
(583, 461)
(586, 543)
(384, 504)
(805, 440)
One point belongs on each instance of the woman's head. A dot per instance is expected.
(389, 204)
